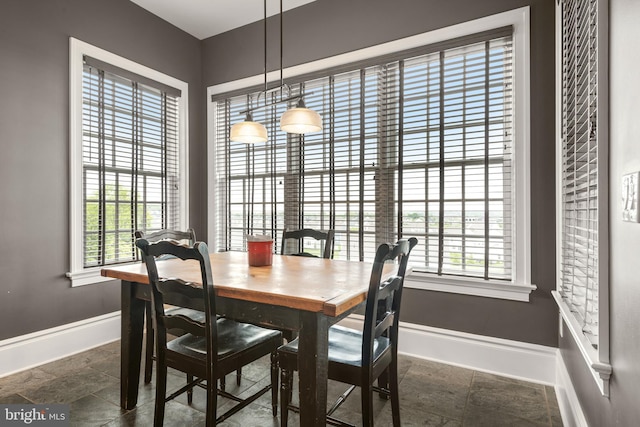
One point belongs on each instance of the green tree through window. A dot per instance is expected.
(118, 215)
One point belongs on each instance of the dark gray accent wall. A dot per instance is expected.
(330, 27)
(34, 146)
(622, 408)
(34, 134)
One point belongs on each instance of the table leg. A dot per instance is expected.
(313, 368)
(132, 320)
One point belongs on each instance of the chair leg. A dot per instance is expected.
(148, 358)
(223, 383)
(190, 391)
(274, 383)
(383, 383)
(161, 392)
(291, 387)
(367, 405)
(395, 395)
(212, 403)
(238, 376)
(286, 381)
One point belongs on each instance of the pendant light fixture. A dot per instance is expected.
(248, 131)
(298, 120)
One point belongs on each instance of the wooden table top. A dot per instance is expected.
(310, 284)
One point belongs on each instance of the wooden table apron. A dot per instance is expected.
(283, 305)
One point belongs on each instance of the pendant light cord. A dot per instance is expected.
(265, 48)
(281, 50)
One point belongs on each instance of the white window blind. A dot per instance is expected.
(456, 190)
(129, 162)
(580, 164)
(332, 173)
(415, 145)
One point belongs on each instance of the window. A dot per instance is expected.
(418, 142)
(127, 152)
(582, 176)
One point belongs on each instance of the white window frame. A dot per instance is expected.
(520, 287)
(78, 274)
(597, 360)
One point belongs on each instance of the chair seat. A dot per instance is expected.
(233, 338)
(345, 346)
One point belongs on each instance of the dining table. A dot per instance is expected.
(302, 294)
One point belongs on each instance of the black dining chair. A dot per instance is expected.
(299, 237)
(189, 237)
(361, 357)
(211, 347)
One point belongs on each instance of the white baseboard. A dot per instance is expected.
(31, 350)
(570, 408)
(514, 359)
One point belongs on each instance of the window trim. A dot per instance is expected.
(79, 275)
(520, 286)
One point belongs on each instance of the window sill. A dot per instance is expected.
(600, 371)
(88, 276)
(468, 286)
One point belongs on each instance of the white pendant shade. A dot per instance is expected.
(300, 120)
(248, 132)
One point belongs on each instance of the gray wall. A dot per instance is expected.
(622, 408)
(329, 27)
(34, 146)
(34, 139)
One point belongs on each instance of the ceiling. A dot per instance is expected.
(206, 18)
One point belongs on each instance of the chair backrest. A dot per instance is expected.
(188, 236)
(325, 237)
(178, 292)
(382, 313)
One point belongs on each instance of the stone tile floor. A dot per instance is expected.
(432, 394)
